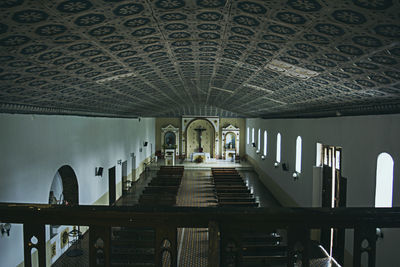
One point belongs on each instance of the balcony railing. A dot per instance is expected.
(223, 225)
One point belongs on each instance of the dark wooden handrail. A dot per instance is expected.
(196, 216)
(166, 220)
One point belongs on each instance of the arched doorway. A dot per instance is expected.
(63, 191)
(64, 188)
(207, 137)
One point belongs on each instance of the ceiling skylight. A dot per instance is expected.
(290, 70)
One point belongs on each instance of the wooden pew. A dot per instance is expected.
(163, 188)
(230, 189)
(238, 204)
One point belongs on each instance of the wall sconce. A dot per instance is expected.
(285, 166)
(296, 176)
(276, 164)
(379, 233)
(263, 157)
(98, 171)
(257, 151)
(119, 162)
(5, 228)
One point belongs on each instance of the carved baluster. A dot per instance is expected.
(230, 247)
(298, 246)
(213, 244)
(99, 246)
(31, 231)
(166, 243)
(364, 242)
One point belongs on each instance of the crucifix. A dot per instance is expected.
(200, 130)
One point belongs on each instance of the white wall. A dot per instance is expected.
(362, 139)
(34, 147)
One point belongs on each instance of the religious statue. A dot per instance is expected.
(169, 140)
(200, 130)
(52, 198)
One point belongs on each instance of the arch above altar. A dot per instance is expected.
(189, 143)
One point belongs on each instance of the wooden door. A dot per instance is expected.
(124, 178)
(111, 186)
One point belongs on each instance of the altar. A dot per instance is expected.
(204, 155)
(170, 157)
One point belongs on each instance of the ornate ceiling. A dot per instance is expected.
(294, 58)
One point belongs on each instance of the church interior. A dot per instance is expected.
(219, 133)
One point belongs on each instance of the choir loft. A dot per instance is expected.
(199, 133)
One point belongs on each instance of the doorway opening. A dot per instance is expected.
(64, 190)
(111, 186)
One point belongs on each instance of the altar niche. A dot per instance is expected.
(170, 139)
(200, 138)
(230, 141)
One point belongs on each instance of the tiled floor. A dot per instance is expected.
(79, 261)
(195, 191)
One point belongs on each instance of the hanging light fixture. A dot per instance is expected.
(5, 228)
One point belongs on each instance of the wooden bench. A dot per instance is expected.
(236, 199)
(229, 181)
(230, 189)
(163, 188)
(165, 183)
(234, 194)
(132, 246)
(238, 204)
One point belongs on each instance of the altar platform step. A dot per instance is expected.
(213, 163)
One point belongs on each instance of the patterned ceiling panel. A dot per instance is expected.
(233, 58)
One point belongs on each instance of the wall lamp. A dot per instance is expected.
(285, 166)
(379, 233)
(257, 151)
(262, 157)
(5, 228)
(296, 176)
(276, 164)
(98, 171)
(119, 162)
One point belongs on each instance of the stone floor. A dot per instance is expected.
(195, 191)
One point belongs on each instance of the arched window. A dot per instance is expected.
(248, 135)
(298, 154)
(259, 140)
(384, 181)
(265, 143)
(278, 147)
(252, 135)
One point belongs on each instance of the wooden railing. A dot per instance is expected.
(223, 224)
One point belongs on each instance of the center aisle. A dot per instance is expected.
(195, 191)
